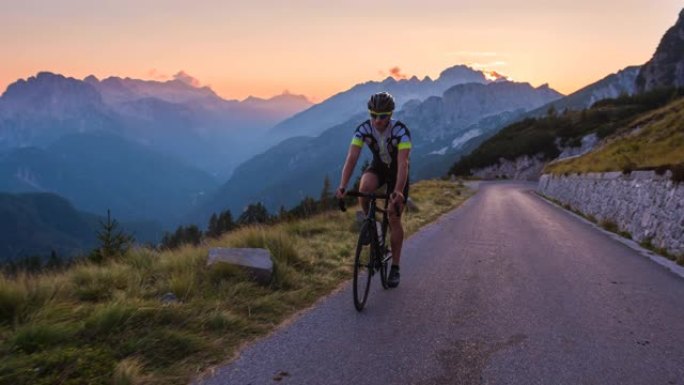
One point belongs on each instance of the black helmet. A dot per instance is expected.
(381, 102)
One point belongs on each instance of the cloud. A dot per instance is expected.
(395, 72)
(155, 74)
(187, 79)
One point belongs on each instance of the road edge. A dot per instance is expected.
(663, 261)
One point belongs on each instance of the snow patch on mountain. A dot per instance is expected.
(460, 140)
(441, 151)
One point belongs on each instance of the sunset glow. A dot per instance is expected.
(263, 47)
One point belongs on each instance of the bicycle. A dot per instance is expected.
(377, 257)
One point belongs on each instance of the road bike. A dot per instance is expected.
(372, 252)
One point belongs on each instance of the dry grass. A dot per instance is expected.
(103, 324)
(655, 139)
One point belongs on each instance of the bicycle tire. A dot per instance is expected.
(385, 259)
(363, 270)
(385, 268)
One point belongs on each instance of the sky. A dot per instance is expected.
(318, 49)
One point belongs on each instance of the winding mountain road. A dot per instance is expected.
(507, 289)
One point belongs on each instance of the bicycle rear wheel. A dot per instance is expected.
(363, 270)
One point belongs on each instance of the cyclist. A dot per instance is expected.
(390, 142)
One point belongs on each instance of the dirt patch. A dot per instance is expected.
(466, 360)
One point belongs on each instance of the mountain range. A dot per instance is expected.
(338, 108)
(188, 122)
(296, 167)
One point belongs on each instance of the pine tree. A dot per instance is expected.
(283, 215)
(225, 222)
(253, 214)
(53, 262)
(192, 235)
(326, 200)
(213, 230)
(551, 111)
(113, 241)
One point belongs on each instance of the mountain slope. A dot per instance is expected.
(654, 139)
(611, 86)
(36, 224)
(545, 138)
(100, 171)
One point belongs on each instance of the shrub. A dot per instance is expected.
(678, 173)
(12, 300)
(609, 225)
(647, 243)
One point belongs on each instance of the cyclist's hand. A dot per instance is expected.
(397, 200)
(340, 193)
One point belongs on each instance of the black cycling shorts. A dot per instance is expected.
(388, 177)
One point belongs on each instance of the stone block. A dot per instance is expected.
(256, 262)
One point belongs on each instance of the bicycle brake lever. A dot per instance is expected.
(340, 203)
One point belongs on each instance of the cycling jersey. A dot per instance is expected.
(384, 146)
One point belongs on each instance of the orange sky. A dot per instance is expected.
(264, 47)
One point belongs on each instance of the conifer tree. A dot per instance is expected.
(213, 230)
(253, 214)
(225, 222)
(113, 241)
(326, 200)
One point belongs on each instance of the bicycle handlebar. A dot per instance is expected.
(343, 206)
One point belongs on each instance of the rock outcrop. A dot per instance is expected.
(522, 168)
(666, 68)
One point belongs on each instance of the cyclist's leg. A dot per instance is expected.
(396, 228)
(369, 183)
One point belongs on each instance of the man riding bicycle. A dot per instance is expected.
(390, 142)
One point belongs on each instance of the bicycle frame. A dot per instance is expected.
(379, 254)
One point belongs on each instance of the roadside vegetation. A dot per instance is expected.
(655, 141)
(148, 316)
(543, 136)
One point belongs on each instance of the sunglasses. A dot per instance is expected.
(380, 115)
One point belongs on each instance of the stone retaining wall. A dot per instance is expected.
(644, 204)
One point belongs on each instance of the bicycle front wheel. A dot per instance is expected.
(363, 270)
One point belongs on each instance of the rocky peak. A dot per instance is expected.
(461, 74)
(666, 67)
(49, 91)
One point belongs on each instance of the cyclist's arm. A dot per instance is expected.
(349, 164)
(402, 170)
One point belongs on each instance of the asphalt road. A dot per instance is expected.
(507, 289)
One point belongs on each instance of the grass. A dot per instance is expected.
(654, 140)
(104, 324)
